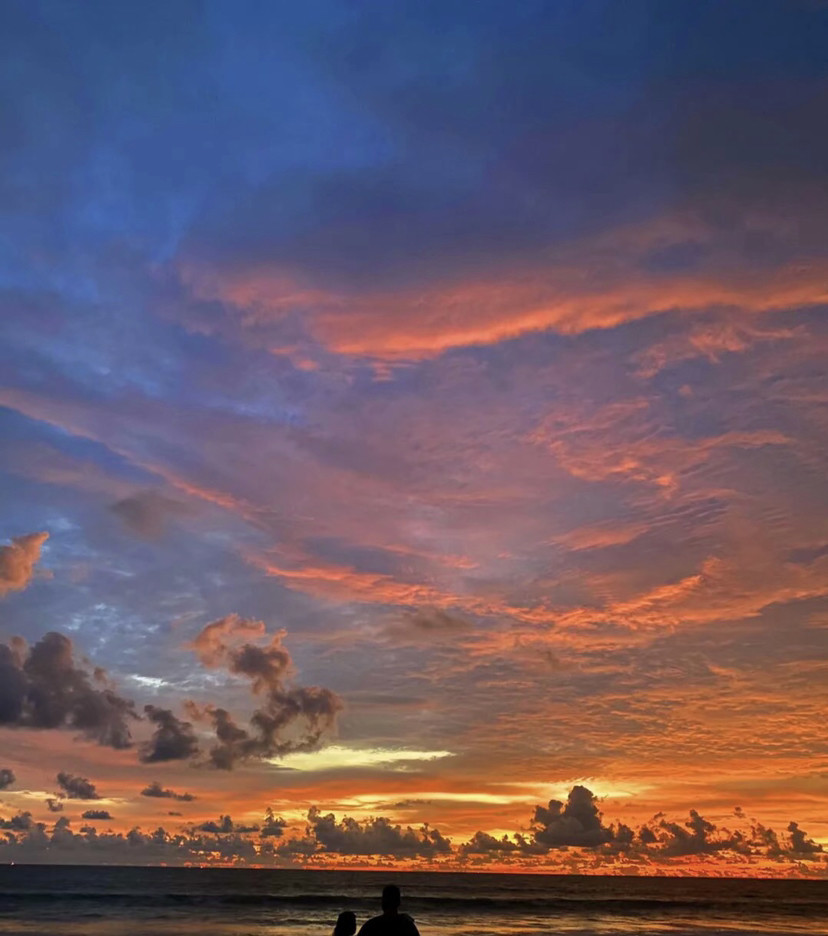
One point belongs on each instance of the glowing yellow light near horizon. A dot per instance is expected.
(68, 802)
(494, 799)
(613, 789)
(338, 757)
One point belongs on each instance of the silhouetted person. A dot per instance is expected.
(391, 921)
(346, 924)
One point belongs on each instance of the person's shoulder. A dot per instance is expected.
(374, 925)
(400, 924)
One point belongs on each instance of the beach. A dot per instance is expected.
(115, 901)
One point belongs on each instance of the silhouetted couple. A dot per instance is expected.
(390, 921)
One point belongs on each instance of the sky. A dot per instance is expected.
(413, 434)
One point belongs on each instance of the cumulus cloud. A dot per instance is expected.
(54, 805)
(76, 787)
(696, 836)
(800, 843)
(19, 823)
(173, 738)
(155, 789)
(44, 687)
(663, 838)
(290, 719)
(576, 822)
(658, 842)
(482, 843)
(27, 841)
(17, 561)
(273, 826)
(7, 778)
(224, 825)
(375, 836)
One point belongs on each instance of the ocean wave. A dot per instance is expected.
(466, 905)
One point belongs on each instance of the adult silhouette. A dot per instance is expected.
(390, 921)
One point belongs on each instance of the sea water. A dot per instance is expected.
(116, 901)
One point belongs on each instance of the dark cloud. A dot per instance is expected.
(800, 843)
(666, 839)
(481, 843)
(647, 836)
(273, 826)
(291, 719)
(146, 513)
(265, 667)
(44, 687)
(7, 778)
(34, 842)
(293, 848)
(54, 805)
(173, 739)
(314, 707)
(17, 561)
(427, 625)
(19, 823)
(214, 642)
(658, 842)
(377, 836)
(155, 789)
(225, 826)
(234, 743)
(76, 787)
(436, 621)
(576, 822)
(696, 836)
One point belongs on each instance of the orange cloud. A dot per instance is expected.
(344, 583)
(212, 643)
(709, 338)
(621, 441)
(722, 590)
(597, 284)
(17, 562)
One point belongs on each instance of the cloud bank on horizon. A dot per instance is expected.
(447, 383)
(574, 829)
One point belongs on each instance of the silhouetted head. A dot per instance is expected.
(390, 898)
(345, 924)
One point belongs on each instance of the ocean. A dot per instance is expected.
(117, 901)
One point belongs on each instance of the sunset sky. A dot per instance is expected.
(412, 413)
